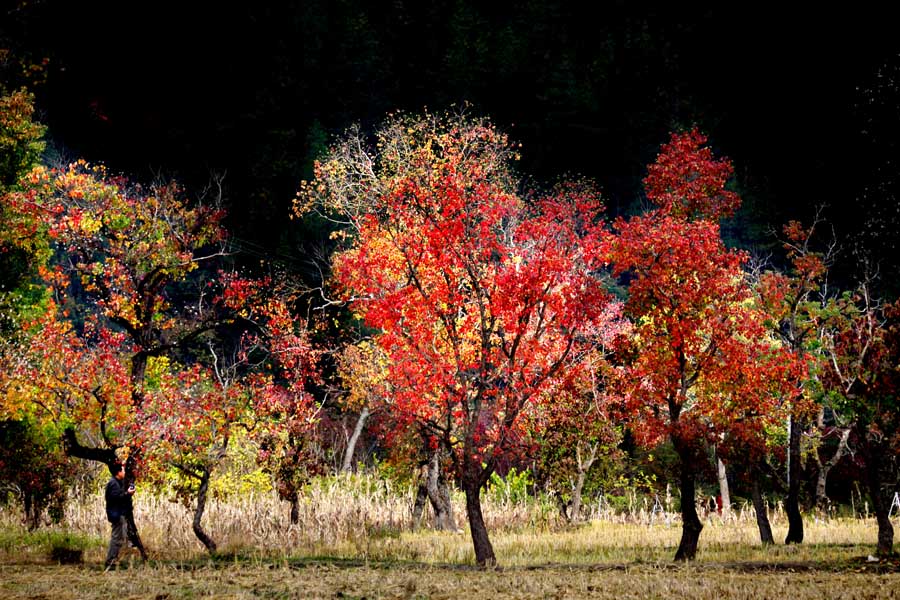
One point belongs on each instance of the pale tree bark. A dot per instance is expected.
(347, 465)
(583, 464)
(433, 486)
(421, 498)
(439, 494)
(723, 488)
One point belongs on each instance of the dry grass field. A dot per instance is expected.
(327, 580)
(355, 540)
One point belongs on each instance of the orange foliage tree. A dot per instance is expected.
(146, 349)
(121, 251)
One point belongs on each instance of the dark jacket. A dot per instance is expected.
(117, 500)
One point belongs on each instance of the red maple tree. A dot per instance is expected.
(479, 298)
(694, 356)
(794, 303)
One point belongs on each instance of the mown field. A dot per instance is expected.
(397, 580)
(357, 541)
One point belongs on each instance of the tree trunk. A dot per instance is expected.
(434, 488)
(198, 512)
(74, 449)
(295, 508)
(439, 494)
(885, 545)
(690, 522)
(32, 511)
(821, 486)
(421, 499)
(723, 488)
(759, 507)
(872, 452)
(354, 438)
(825, 468)
(575, 509)
(484, 551)
(583, 464)
(792, 502)
(139, 363)
(563, 508)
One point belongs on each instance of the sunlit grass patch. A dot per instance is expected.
(56, 544)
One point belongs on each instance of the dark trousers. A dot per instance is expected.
(116, 539)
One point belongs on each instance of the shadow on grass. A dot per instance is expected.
(247, 558)
(860, 564)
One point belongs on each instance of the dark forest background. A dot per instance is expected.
(805, 101)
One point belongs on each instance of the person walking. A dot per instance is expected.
(118, 498)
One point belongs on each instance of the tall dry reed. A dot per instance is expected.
(363, 517)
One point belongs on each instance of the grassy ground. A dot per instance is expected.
(356, 543)
(328, 579)
(601, 560)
